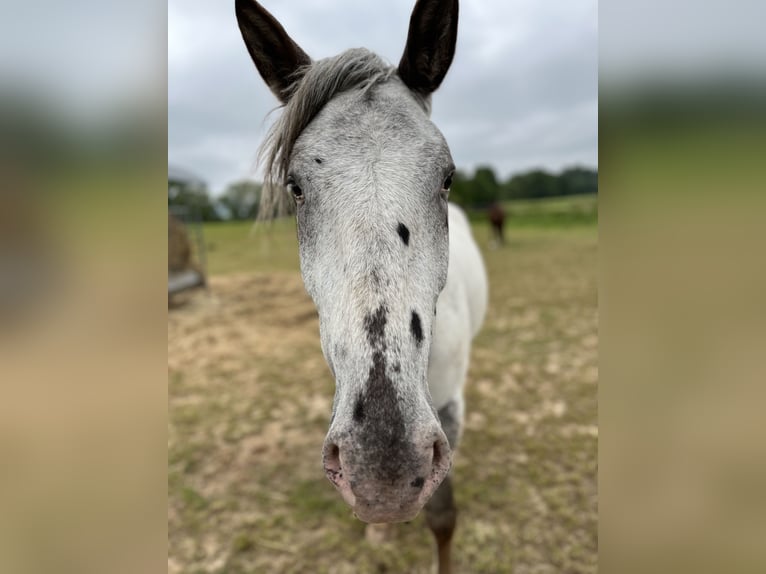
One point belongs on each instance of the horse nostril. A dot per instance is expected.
(339, 476)
(437, 453)
(331, 463)
(441, 460)
(418, 482)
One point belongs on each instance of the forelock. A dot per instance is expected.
(356, 69)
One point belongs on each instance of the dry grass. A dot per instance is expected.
(250, 399)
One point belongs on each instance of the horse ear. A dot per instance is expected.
(278, 59)
(430, 45)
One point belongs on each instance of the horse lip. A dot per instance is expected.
(348, 496)
(376, 515)
(345, 491)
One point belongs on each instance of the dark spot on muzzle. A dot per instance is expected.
(416, 328)
(418, 482)
(359, 409)
(375, 326)
(382, 432)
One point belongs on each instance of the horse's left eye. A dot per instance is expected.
(447, 183)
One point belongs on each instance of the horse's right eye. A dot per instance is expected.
(295, 190)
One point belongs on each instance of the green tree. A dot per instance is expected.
(241, 199)
(578, 180)
(540, 183)
(485, 187)
(477, 190)
(461, 190)
(194, 200)
(532, 184)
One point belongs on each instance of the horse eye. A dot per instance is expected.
(295, 190)
(447, 183)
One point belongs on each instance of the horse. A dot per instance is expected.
(396, 276)
(496, 216)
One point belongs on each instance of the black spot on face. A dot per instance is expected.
(418, 482)
(404, 233)
(416, 328)
(382, 432)
(318, 160)
(375, 325)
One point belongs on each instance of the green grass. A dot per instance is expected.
(569, 211)
(239, 246)
(250, 404)
(553, 212)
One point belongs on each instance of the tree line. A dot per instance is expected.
(476, 190)
(482, 188)
(239, 202)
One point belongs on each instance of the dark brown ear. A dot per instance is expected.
(276, 56)
(430, 45)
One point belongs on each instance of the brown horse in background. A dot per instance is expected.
(497, 220)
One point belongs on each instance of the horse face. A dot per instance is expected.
(373, 236)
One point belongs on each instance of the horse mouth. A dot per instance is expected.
(376, 514)
(377, 497)
(387, 506)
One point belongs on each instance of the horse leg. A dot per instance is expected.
(441, 512)
(441, 516)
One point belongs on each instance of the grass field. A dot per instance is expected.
(569, 211)
(553, 212)
(250, 398)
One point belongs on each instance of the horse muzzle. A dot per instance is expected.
(391, 483)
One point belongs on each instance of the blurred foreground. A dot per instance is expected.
(82, 292)
(683, 330)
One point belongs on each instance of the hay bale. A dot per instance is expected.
(183, 273)
(179, 246)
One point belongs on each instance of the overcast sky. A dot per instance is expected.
(522, 91)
